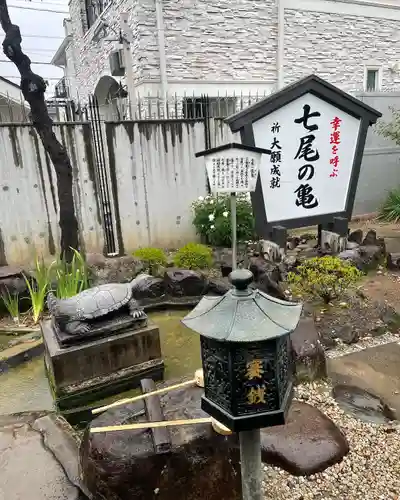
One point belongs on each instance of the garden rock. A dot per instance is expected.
(267, 285)
(201, 464)
(113, 270)
(308, 352)
(356, 236)
(184, 283)
(371, 256)
(12, 279)
(347, 334)
(292, 242)
(259, 266)
(217, 286)
(370, 238)
(393, 261)
(309, 442)
(147, 287)
(364, 258)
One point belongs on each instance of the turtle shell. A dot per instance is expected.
(96, 302)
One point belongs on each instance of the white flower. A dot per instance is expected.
(212, 226)
(211, 202)
(200, 198)
(211, 217)
(225, 214)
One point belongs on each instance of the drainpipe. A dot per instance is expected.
(161, 47)
(280, 56)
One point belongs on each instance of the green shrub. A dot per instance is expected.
(212, 219)
(11, 303)
(193, 256)
(390, 209)
(38, 288)
(70, 278)
(153, 258)
(326, 278)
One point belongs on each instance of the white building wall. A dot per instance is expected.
(231, 45)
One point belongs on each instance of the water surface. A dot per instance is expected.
(25, 388)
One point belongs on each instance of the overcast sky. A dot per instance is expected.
(38, 48)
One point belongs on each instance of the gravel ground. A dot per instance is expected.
(371, 471)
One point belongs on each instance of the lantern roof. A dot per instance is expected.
(232, 145)
(243, 314)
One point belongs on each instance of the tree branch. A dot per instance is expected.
(33, 89)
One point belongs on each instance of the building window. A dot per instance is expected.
(94, 8)
(372, 77)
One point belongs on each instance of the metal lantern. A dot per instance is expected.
(233, 168)
(246, 354)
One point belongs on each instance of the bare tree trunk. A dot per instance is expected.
(33, 88)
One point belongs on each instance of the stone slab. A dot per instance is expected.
(28, 470)
(100, 357)
(376, 370)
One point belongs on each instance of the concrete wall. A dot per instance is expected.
(29, 198)
(157, 177)
(380, 170)
(154, 178)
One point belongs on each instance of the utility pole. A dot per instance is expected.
(126, 40)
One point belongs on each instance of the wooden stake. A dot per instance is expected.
(143, 396)
(150, 425)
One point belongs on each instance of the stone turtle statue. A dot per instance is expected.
(74, 315)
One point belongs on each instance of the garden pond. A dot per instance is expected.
(25, 388)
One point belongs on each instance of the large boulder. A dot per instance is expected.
(309, 442)
(308, 352)
(123, 465)
(113, 270)
(148, 288)
(184, 283)
(199, 464)
(267, 276)
(12, 279)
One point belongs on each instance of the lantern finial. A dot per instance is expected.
(241, 279)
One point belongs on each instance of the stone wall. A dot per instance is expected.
(91, 54)
(337, 47)
(236, 41)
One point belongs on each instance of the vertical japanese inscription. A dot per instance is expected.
(308, 154)
(335, 141)
(275, 157)
(254, 375)
(233, 173)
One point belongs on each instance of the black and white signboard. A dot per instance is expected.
(316, 135)
(233, 168)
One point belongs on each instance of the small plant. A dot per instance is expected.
(11, 302)
(193, 256)
(71, 278)
(38, 288)
(153, 258)
(212, 219)
(323, 277)
(390, 209)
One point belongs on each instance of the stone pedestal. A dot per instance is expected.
(82, 374)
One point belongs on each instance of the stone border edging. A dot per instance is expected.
(21, 357)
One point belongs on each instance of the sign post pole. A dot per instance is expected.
(250, 460)
(234, 231)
